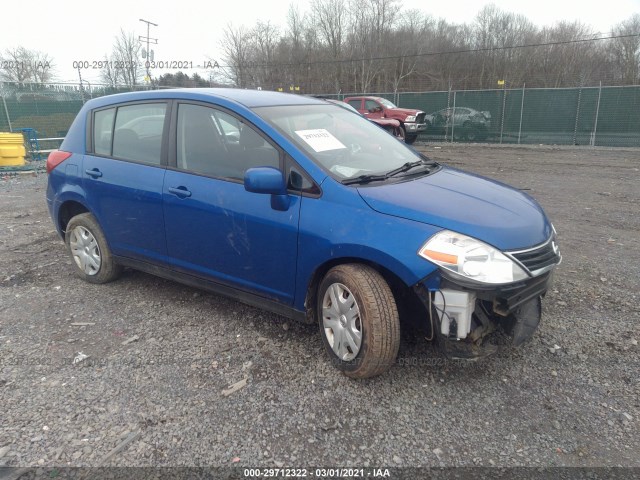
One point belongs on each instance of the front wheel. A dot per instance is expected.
(89, 251)
(410, 139)
(359, 320)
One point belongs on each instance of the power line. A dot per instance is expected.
(429, 54)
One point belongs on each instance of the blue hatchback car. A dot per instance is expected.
(297, 206)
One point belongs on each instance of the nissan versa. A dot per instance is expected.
(302, 208)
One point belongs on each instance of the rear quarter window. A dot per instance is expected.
(103, 131)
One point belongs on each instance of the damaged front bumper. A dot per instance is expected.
(471, 320)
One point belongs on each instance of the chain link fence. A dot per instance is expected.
(596, 116)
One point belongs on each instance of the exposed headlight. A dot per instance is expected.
(471, 258)
(410, 118)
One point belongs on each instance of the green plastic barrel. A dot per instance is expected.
(12, 150)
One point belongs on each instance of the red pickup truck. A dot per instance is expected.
(411, 121)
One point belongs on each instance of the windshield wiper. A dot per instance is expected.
(380, 177)
(364, 179)
(408, 166)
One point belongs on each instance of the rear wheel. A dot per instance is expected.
(89, 251)
(470, 132)
(359, 320)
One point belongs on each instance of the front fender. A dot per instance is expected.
(340, 225)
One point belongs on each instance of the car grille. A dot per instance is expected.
(420, 117)
(539, 259)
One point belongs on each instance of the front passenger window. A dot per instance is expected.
(212, 142)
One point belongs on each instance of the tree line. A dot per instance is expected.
(342, 46)
(376, 46)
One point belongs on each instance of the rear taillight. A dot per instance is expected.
(55, 158)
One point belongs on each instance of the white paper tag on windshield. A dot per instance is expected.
(320, 140)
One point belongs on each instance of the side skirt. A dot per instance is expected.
(215, 287)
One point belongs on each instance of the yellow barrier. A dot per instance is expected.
(12, 149)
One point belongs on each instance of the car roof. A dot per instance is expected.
(248, 98)
(366, 97)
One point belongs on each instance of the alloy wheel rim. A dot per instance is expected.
(341, 321)
(85, 250)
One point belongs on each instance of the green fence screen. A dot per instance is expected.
(596, 116)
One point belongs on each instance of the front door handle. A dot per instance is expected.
(181, 192)
(95, 173)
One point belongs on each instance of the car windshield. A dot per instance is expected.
(344, 144)
(386, 103)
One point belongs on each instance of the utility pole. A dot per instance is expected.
(148, 40)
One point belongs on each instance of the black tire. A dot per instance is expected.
(471, 133)
(410, 139)
(377, 319)
(96, 255)
(399, 133)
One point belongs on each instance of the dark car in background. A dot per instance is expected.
(461, 123)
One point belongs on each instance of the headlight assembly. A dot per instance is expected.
(471, 258)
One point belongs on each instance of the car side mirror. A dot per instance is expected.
(270, 181)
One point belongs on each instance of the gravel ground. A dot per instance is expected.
(160, 355)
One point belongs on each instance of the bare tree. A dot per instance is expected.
(625, 51)
(565, 62)
(236, 48)
(124, 66)
(406, 40)
(23, 65)
(109, 75)
(265, 38)
(330, 17)
(126, 54)
(373, 45)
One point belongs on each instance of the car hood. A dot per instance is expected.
(386, 121)
(466, 203)
(405, 111)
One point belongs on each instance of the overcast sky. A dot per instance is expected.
(84, 31)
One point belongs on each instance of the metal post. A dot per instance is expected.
(446, 128)
(453, 116)
(81, 86)
(595, 123)
(575, 127)
(6, 110)
(521, 110)
(504, 103)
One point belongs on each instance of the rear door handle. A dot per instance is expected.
(95, 173)
(181, 192)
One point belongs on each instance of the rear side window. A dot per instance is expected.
(356, 104)
(138, 132)
(103, 131)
